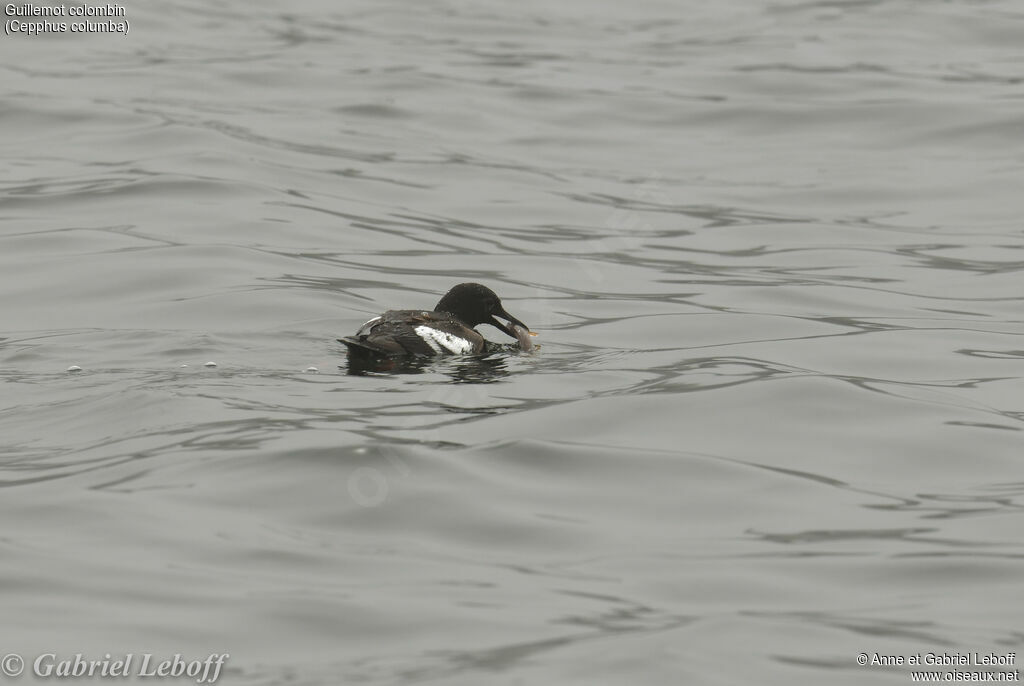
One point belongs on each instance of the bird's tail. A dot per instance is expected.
(358, 348)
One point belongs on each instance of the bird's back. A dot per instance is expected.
(413, 332)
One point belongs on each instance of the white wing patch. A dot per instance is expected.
(441, 339)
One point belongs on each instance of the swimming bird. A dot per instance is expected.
(447, 329)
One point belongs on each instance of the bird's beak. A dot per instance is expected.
(507, 329)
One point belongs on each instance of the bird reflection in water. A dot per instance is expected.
(486, 368)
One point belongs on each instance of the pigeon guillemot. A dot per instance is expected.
(447, 329)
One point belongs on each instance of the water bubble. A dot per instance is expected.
(210, 364)
(74, 368)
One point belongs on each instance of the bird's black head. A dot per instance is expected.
(474, 304)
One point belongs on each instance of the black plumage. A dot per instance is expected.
(447, 329)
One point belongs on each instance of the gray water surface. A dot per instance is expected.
(774, 255)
